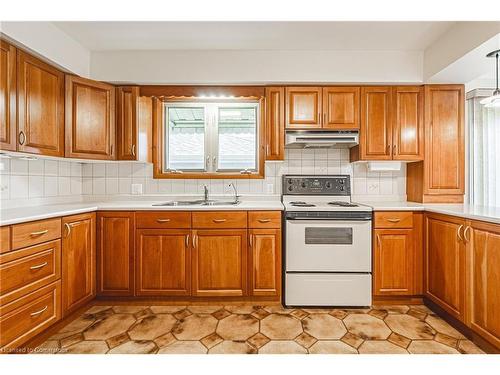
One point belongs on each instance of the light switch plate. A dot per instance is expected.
(136, 189)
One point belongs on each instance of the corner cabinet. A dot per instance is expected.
(78, 261)
(90, 119)
(115, 253)
(8, 101)
(40, 111)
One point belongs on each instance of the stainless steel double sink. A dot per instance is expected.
(199, 202)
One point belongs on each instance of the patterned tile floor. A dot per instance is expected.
(257, 329)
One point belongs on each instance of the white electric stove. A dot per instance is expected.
(327, 243)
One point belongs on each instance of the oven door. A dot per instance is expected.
(328, 246)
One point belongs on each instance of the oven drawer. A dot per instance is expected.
(328, 289)
(328, 246)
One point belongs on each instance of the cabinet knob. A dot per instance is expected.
(22, 138)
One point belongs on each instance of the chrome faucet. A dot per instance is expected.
(205, 192)
(236, 196)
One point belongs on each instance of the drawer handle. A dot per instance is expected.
(219, 220)
(264, 220)
(38, 266)
(39, 311)
(394, 220)
(162, 220)
(35, 234)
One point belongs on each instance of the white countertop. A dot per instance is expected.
(483, 213)
(24, 214)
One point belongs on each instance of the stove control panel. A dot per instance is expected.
(316, 185)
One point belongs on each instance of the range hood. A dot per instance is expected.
(321, 139)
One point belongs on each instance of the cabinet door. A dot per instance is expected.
(394, 262)
(163, 262)
(375, 135)
(78, 261)
(341, 108)
(115, 253)
(444, 139)
(275, 123)
(40, 102)
(219, 262)
(265, 262)
(90, 119)
(445, 263)
(126, 122)
(485, 281)
(8, 92)
(408, 131)
(144, 148)
(303, 107)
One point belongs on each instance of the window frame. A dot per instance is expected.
(160, 126)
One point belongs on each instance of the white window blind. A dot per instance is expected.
(484, 151)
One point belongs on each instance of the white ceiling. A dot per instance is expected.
(389, 36)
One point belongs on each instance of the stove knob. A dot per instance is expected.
(303, 184)
(290, 181)
(290, 188)
(328, 185)
(341, 188)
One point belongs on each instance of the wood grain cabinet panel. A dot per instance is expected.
(163, 219)
(40, 100)
(341, 108)
(220, 219)
(485, 280)
(303, 107)
(219, 263)
(23, 271)
(4, 239)
(264, 262)
(34, 232)
(163, 262)
(393, 219)
(445, 267)
(264, 219)
(90, 119)
(275, 123)
(78, 261)
(408, 124)
(8, 92)
(394, 262)
(115, 253)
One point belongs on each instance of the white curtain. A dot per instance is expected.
(484, 153)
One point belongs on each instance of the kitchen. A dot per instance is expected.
(153, 204)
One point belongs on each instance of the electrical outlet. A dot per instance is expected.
(270, 188)
(136, 189)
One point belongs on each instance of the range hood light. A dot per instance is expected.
(493, 101)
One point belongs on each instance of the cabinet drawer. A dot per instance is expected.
(4, 239)
(25, 317)
(25, 270)
(394, 219)
(163, 219)
(264, 219)
(28, 234)
(220, 219)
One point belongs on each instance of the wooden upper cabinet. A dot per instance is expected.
(303, 107)
(78, 261)
(264, 262)
(275, 123)
(8, 90)
(341, 108)
(145, 129)
(485, 280)
(444, 140)
(40, 102)
(126, 122)
(115, 253)
(163, 262)
(90, 119)
(445, 269)
(394, 262)
(408, 124)
(219, 262)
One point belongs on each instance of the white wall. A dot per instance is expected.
(50, 43)
(256, 67)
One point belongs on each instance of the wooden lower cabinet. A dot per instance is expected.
(78, 261)
(264, 262)
(219, 262)
(445, 267)
(163, 262)
(115, 253)
(484, 268)
(394, 262)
